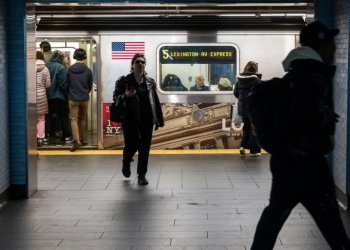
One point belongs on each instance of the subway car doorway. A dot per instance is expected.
(58, 132)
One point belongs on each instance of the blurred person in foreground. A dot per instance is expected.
(302, 173)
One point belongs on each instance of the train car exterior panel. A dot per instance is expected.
(193, 119)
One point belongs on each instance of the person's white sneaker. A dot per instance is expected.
(255, 154)
(242, 151)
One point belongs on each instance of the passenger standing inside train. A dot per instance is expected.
(143, 114)
(302, 174)
(43, 82)
(199, 85)
(57, 96)
(45, 48)
(246, 81)
(79, 83)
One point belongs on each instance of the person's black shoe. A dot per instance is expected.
(126, 169)
(75, 146)
(141, 180)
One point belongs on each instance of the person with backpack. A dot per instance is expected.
(301, 172)
(246, 81)
(79, 84)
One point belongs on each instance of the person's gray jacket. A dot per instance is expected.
(79, 82)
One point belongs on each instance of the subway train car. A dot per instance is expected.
(175, 57)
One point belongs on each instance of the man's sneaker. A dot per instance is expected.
(242, 151)
(141, 180)
(255, 154)
(126, 169)
(75, 146)
(39, 143)
(68, 140)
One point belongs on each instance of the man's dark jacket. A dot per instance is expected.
(311, 116)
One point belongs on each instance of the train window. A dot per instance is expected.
(197, 68)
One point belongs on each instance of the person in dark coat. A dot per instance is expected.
(58, 116)
(79, 83)
(246, 81)
(143, 114)
(302, 173)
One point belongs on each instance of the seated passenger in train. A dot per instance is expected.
(172, 83)
(199, 86)
(224, 84)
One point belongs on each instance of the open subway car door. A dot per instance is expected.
(58, 132)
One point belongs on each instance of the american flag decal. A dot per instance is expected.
(126, 50)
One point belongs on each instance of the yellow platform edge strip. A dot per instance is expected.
(152, 152)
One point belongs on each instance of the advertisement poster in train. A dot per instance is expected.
(110, 128)
(188, 124)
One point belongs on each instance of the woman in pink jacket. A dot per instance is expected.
(43, 82)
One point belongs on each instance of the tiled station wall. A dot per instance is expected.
(341, 153)
(4, 149)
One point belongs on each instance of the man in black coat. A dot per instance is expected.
(302, 173)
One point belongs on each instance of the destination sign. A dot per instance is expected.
(197, 54)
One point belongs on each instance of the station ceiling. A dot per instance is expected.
(89, 17)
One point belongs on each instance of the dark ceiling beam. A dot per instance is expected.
(95, 17)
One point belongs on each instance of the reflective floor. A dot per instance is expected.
(193, 202)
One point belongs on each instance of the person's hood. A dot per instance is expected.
(56, 60)
(246, 81)
(40, 65)
(78, 68)
(303, 52)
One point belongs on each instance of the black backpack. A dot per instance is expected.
(268, 110)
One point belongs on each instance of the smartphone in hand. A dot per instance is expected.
(130, 83)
